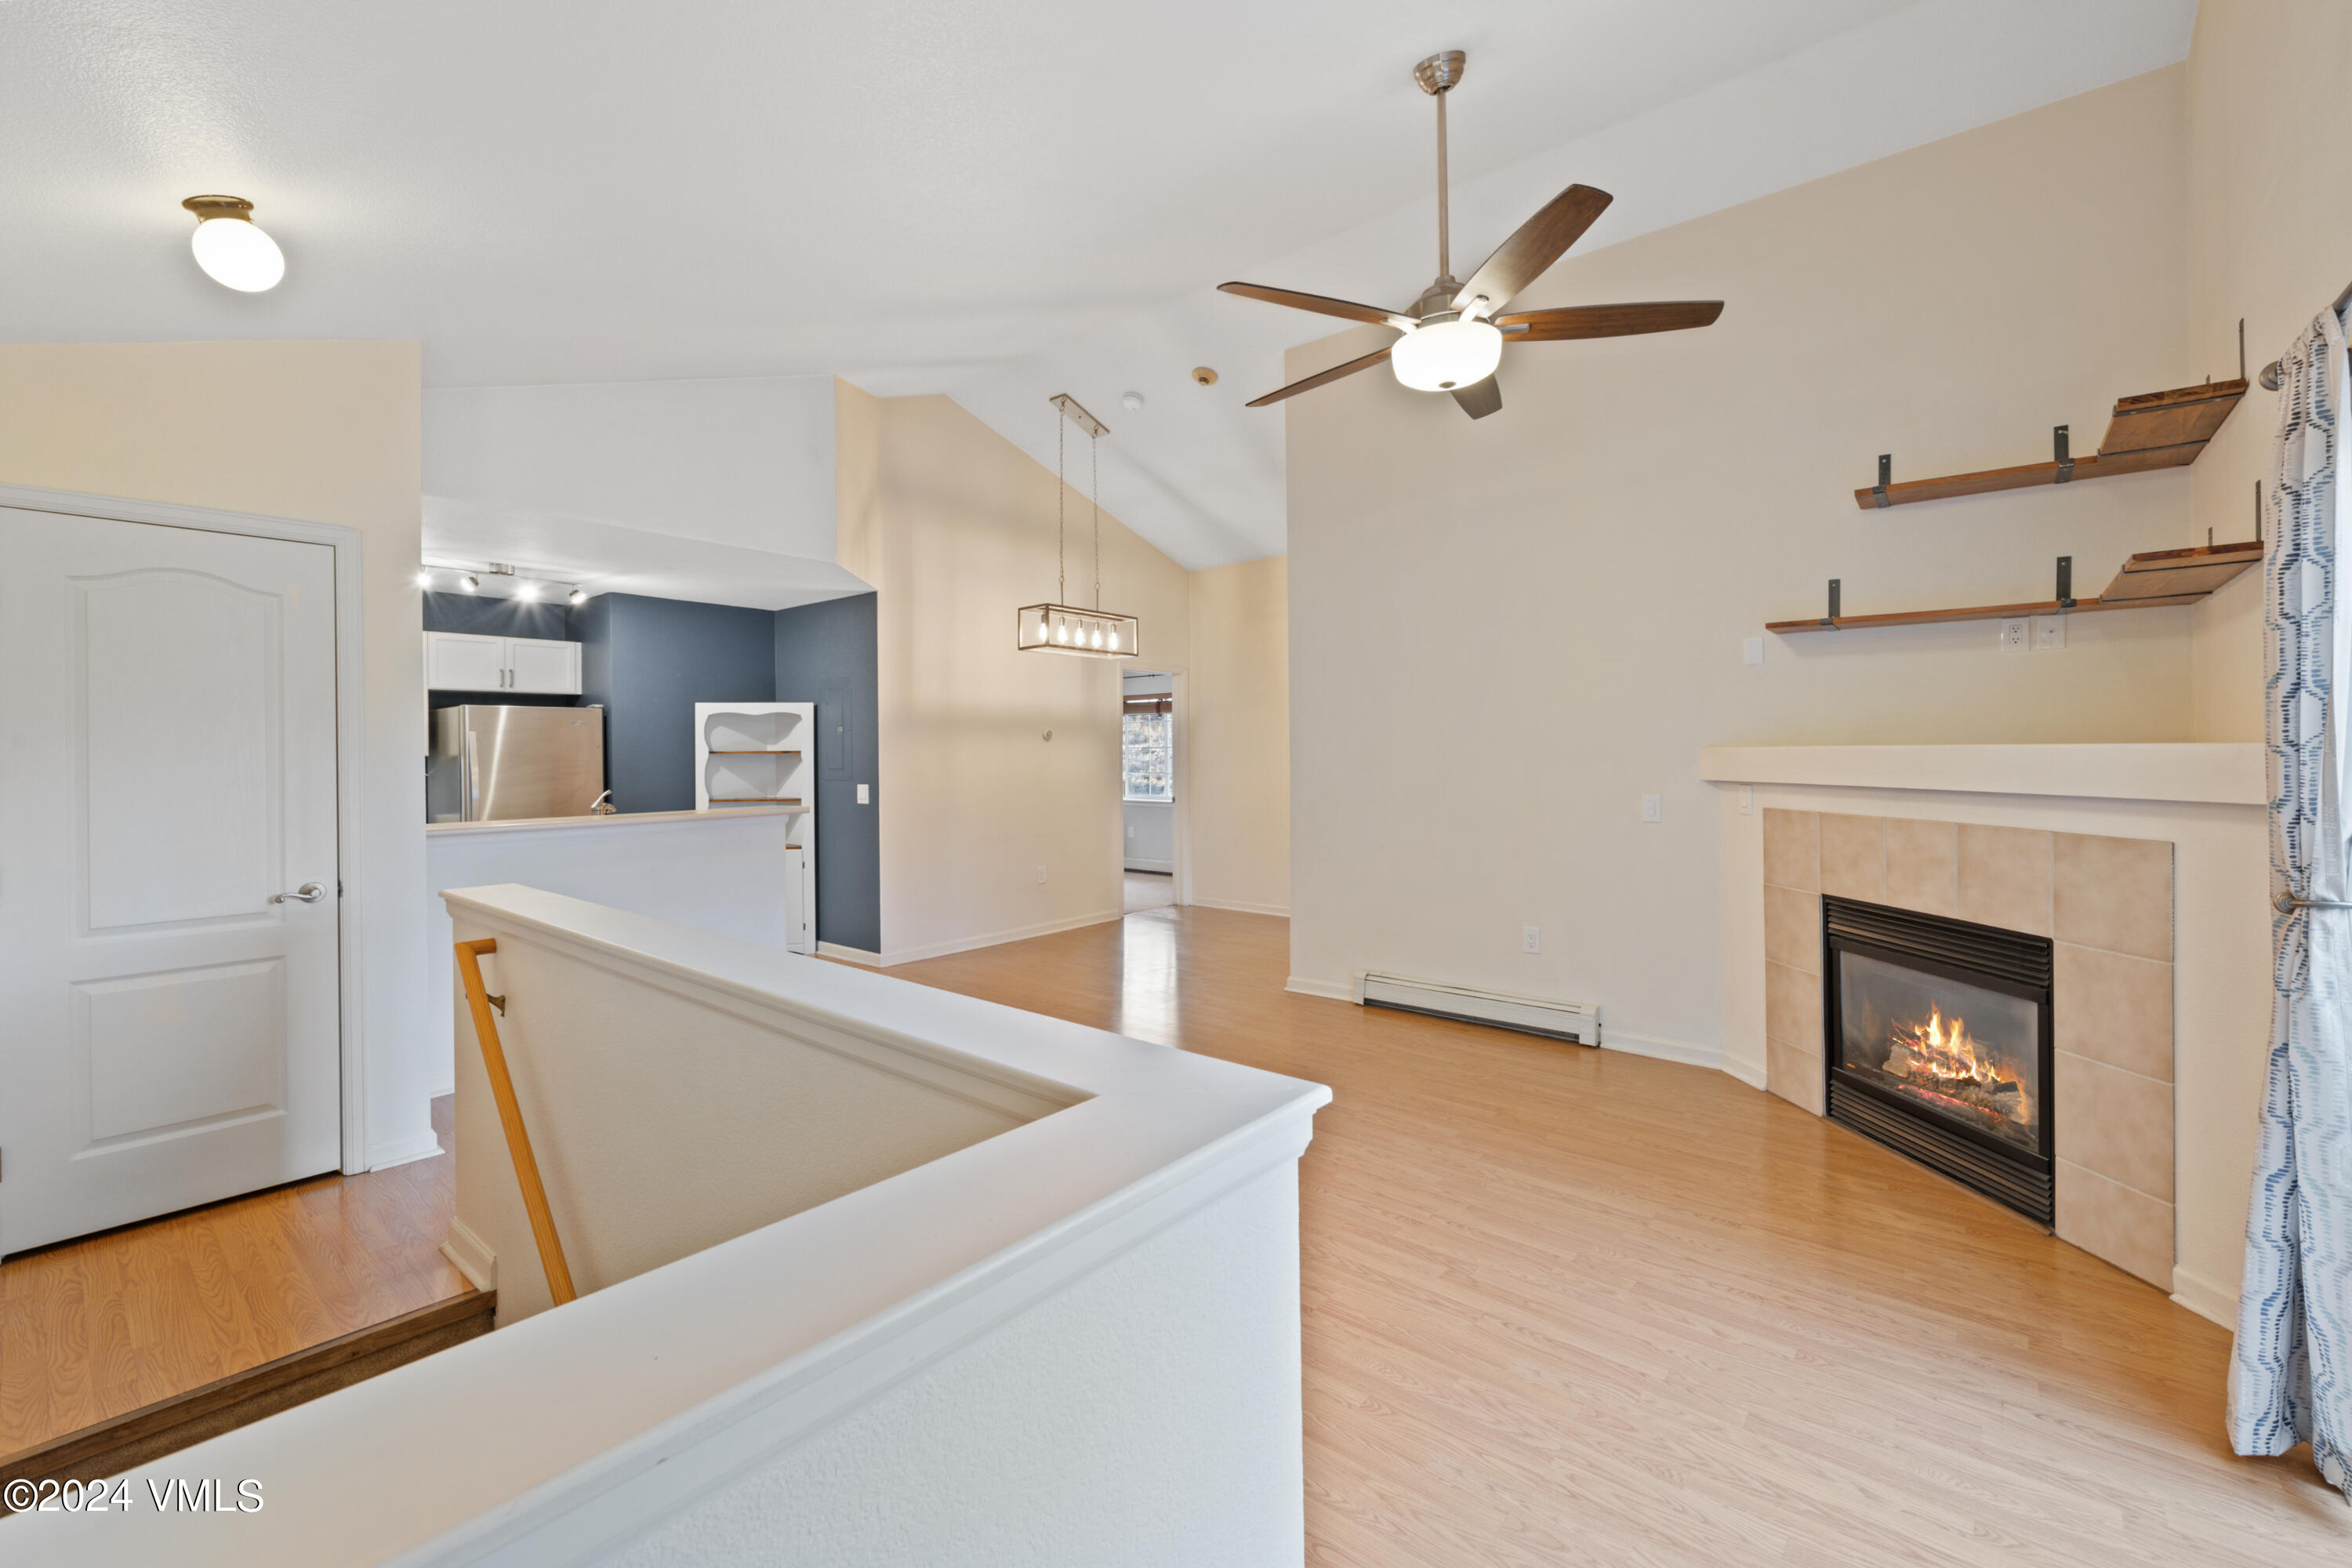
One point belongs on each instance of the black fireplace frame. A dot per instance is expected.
(2011, 962)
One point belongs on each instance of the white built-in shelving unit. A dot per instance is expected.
(764, 754)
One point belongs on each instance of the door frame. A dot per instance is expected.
(349, 741)
(1181, 817)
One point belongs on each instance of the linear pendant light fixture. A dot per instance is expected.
(1066, 629)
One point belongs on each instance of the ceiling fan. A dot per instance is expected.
(1454, 334)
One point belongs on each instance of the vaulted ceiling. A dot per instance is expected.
(997, 199)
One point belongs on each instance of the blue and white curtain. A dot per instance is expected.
(2291, 1375)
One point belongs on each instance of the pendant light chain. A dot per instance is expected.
(1094, 455)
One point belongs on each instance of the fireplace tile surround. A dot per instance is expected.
(2107, 904)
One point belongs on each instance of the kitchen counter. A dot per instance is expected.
(623, 818)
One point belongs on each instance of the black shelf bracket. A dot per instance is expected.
(2064, 458)
(1885, 477)
(2065, 577)
(1830, 619)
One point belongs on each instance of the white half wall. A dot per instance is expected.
(717, 871)
(1151, 835)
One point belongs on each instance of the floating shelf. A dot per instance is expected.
(2153, 430)
(2149, 581)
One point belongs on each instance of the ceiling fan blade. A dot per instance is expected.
(1322, 378)
(1540, 241)
(1607, 321)
(1322, 305)
(1480, 398)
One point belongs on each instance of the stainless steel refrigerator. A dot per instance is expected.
(504, 763)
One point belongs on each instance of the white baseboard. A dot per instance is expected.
(2206, 1298)
(472, 1256)
(1306, 987)
(1750, 1073)
(849, 955)
(400, 1150)
(1661, 1049)
(1165, 867)
(994, 939)
(1279, 912)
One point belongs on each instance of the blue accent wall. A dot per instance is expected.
(826, 653)
(649, 661)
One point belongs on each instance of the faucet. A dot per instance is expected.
(602, 805)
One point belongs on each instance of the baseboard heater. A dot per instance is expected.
(1576, 1021)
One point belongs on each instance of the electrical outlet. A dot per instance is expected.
(1531, 939)
(1041, 873)
(2015, 636)
(1653, 808)
(864, 798)
(1752, 651)
(1131, 830)
(2049, 632)
(1747, 800)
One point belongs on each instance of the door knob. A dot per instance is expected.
(308, 893)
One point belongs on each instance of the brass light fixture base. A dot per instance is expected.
(219, 206)
(1440, 73)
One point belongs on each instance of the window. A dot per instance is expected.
(1147, 751)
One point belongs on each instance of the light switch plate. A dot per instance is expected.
(1653, 808)
(2016, 636)
(864, 798)
(1752, 651)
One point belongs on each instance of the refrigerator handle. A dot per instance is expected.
(473, 797)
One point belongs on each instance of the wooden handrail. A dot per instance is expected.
(493, 1059)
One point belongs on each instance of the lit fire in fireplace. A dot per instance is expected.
(1939, 1062)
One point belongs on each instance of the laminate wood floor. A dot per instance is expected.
(1566, 1306)
(93, 1329)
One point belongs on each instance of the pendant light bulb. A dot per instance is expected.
(1447, 354)
(579, 595)
(232, 250)
(469, 581)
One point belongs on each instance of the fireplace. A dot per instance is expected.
(1937, 1041)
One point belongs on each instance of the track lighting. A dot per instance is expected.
(469, 581)
(231, 248)
(424, 579)
(579, 595)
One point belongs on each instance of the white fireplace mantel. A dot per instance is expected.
(2217, 772)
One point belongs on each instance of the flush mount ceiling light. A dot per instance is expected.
(233, 251)
(1065, 628)
(1453, 336)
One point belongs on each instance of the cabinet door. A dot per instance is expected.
(537, 664)
(460, 661)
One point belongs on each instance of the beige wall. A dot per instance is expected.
(1548, 606)
(326, 432)
(2270, 239)
(973, 798)
(1238, 766)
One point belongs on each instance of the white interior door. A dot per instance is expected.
(167, 765)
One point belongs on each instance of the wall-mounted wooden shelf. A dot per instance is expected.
(2153, 430)
(2149, 581)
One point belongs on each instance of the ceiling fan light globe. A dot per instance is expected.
(1444, 355)
(236, 255)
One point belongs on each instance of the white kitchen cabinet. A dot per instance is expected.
(467, 661)
(539, 664)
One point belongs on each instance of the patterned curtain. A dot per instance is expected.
(2291, 1375)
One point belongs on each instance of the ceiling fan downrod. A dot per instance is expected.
(1438, 76)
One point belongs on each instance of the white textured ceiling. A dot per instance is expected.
(995, 199)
